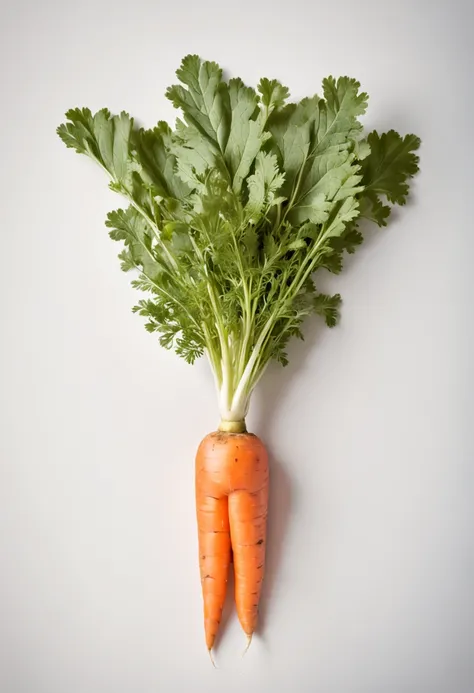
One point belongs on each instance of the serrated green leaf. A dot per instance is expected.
(391, 163)
(205, 102)
(246, 135)
(344, 104)
(331, 260)
(327, 307)
(315, 139)
(371, 208)
(291, 130)
(158, 161)
(104, 135)
(78, 132)
(129, 226)
(194, 156)
(361, 149)
(341, 215)
(264, 183)
(101, 136)
(273, 94)
(349, 240)
(120, 150)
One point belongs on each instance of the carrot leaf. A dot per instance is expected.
(231, 212)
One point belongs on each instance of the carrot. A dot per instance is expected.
(231, 507)
(229, 217)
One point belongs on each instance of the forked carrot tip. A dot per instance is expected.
(249, 640)
(212, 658)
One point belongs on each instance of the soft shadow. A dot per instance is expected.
(272, 390)
(282, 498)
(279, 510)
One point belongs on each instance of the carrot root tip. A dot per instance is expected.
(212, 658)
(249, 640)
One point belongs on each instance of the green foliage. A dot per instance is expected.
(233, 211)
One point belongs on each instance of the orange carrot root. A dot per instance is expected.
(231, 506)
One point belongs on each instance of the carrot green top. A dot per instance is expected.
(231, 213)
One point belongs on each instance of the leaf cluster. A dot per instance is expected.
(230, 214)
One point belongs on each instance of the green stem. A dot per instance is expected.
(156, 232)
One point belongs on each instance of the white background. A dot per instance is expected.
(370, 551)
